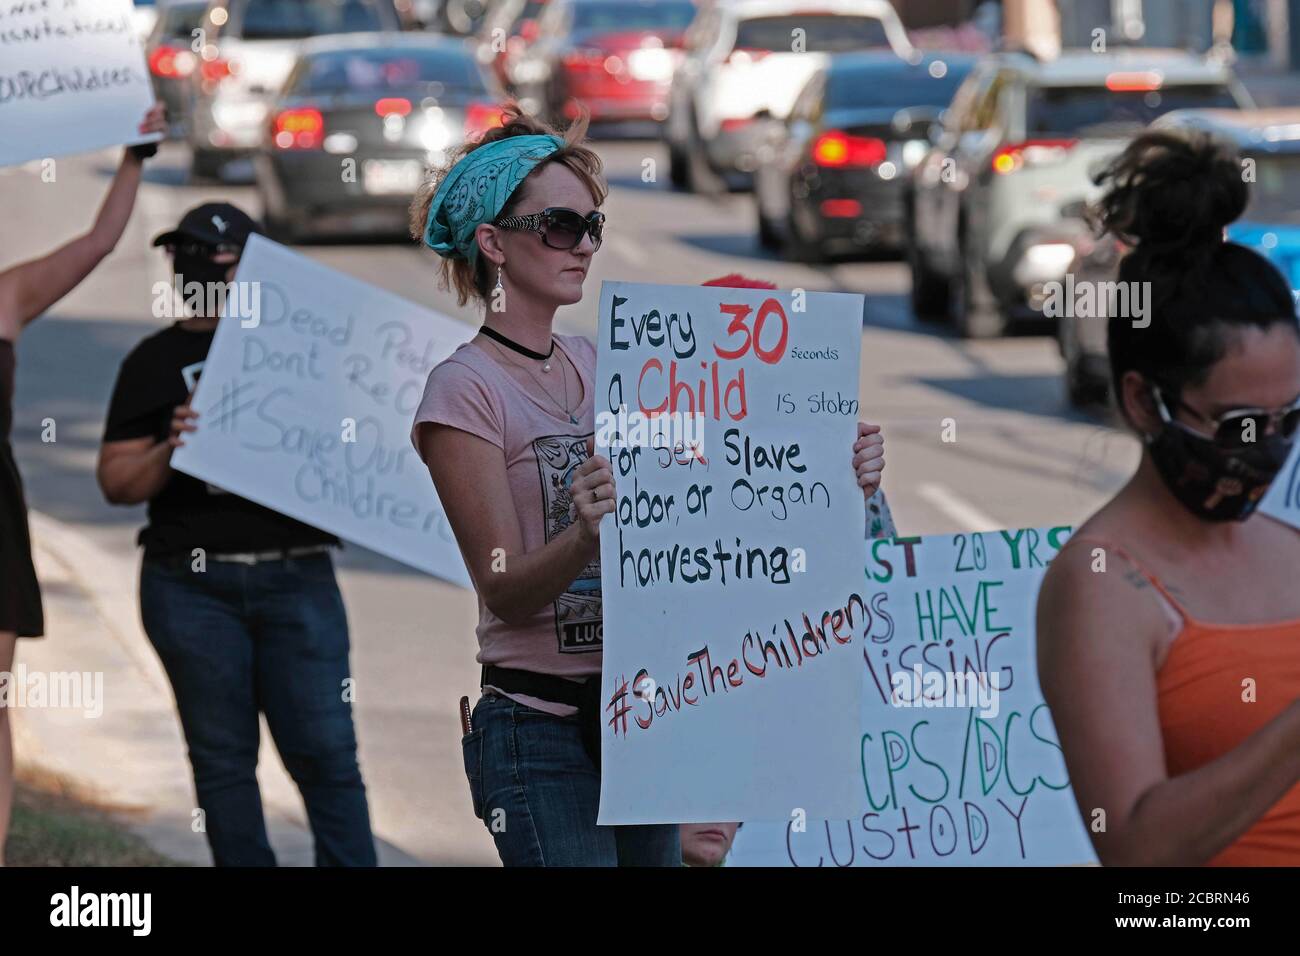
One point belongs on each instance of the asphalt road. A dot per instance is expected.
(1021, 456)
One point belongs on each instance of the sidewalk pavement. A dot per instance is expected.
(132, 755)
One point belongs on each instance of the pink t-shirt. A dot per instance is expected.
(469, 390)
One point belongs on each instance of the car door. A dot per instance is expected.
(795, 160)
(975, 149)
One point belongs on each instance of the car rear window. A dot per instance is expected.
(611, 16)
(823, 33)
(1080, 110)
(180, 21)
(381, 71)
(1275, 194)
(892, 86)
(296, 19)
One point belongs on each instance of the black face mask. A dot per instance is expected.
(198, 268)
(1216, 483)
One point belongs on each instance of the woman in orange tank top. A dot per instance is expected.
(1169, 626)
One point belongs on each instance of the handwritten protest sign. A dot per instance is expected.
(959, 763)
(72, 78)
(1282, 500)
(306, 400)
(731, 571)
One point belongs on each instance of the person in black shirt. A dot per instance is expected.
(240, 602)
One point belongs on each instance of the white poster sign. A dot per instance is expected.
(958, 763)
(731, 570)
(72, 78)
(306, 401)
(1282, 500)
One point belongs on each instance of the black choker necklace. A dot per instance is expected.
(516, 347)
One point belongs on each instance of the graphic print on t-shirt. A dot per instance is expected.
(578, 626)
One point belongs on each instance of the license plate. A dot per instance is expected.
(391, 177)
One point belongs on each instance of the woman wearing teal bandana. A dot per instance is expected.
(506, 427)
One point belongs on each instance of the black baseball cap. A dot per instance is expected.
(213, 222)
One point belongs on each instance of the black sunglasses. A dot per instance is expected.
(1231, 428)
(560, 228)
(206, 250)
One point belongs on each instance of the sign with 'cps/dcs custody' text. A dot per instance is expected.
(731, 570)
(72, 78)
(306, 400)
(958, 762)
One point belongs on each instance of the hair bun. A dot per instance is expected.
(1171, 194)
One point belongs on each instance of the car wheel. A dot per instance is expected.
(800, 247)
(205, 165)
(768, 235)
(972, 307)
(1081, 389)
(930, 290)
(678, 167)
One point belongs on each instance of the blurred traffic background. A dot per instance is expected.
(933, 155)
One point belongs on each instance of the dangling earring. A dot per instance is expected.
(499, 292)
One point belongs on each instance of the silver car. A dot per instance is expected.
(248, 48)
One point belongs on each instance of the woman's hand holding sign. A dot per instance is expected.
(869, 458)
(593, 493)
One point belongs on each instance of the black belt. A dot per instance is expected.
(584, 695)
(546, 687)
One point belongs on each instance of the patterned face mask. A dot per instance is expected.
(1215, 482)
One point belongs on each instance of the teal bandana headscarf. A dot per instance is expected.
(477, 189)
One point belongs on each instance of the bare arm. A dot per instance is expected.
(1096, 634)
(28, 289)
(470, 476)
(136, 470)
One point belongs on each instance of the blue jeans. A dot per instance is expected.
(537, 791)
(239, 640)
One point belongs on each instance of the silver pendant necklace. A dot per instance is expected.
(564, 376)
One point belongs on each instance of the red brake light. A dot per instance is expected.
(733, 123)
(393, 106)
(1032, 152)
(170, 62)
(214, 71)
(481, 117)
(298, 129)
(1143, 81)
(837, 148)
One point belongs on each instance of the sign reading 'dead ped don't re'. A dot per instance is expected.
(306, 400)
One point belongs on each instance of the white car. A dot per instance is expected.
(745, 63)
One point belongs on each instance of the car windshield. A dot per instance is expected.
(295, 19)
(611, 16)
(381, 71)
(1275, 194)
(822, 33)
(893, 86)
(1083, 110)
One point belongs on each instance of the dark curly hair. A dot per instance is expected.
(1170, 195)
(471, 281)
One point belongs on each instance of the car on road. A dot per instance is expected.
(1269, 142)
(508, 29)
(360, 118)
(831, 175)
(169, 51)
(248, 48)
(1021, 141)
(745, 61)
(615, 57)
